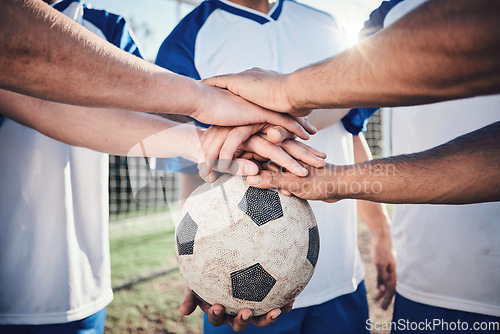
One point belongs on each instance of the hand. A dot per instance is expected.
(217, 317)
(382, 255)
(228, 145)
(319, 184)
(220, 107)
(265, 88)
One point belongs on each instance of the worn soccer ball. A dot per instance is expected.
(245, 247)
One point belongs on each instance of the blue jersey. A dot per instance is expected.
(112, 27)
(179, 51)
(271, 41)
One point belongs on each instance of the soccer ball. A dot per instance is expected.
(245, 247)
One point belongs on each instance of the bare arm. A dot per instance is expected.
(464, 170)
(123, 132)
(376, 217)
(442, 50)
(47, 55)
(445, 49)
(110, 131)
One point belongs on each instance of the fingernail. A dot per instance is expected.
(224, 164)
(246, 170)
(217, 312)
(253, 180)
(300, 171)
(245, 317)
(203, 169)
(250, 169)
(276, 315)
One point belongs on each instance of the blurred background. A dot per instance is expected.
(148, 287)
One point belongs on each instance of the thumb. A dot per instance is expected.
(189, 304)
(220, 81)
(268, 180)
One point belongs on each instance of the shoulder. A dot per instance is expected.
(102, 19)
(114, 28)
(376, 20)
(192, 22)
(177, 51)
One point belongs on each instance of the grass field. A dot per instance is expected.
(146, 245)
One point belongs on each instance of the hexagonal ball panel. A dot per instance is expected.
(186, 232)
(261, 205)
(313, 251)
(252, 283)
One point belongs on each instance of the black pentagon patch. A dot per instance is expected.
(186, 232)
(262, 205)
(252, 283)
(313, 251)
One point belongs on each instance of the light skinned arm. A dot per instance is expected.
(376, 217)
(47, 55)
(110, 131)
(442, 50)
(128, 133)
(462, 171)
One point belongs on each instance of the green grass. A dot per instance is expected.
(152, 307)
(144, 211)
(137, 254)
(138, 247)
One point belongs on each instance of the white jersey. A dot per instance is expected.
(220, 37)
(54, 248)
(447, 255)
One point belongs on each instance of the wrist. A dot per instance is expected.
(365, 181)
(312, 87)
(290, 90)
(295, 91)
(168, 100)
(383, 231)
(336, 181)
(193, 144)
(349, 183)
(199, 93)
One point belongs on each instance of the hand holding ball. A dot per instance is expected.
(244, 247)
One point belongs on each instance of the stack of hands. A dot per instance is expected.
(263, 136)
(262, 144)
(263, 129)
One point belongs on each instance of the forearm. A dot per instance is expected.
(373, 214)
(47, 55)
(117, 132)
(376, 217)
(445, 49)
(464, 170)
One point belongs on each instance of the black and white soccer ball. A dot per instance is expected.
(244, 247)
